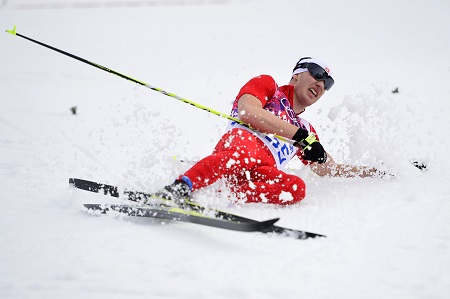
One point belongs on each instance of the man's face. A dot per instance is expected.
(307, 90)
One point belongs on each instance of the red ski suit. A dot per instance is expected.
(251, 163)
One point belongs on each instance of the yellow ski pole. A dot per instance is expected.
(13, 32)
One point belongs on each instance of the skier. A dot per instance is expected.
(251, 162)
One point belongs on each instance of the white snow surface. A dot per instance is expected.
(386, 238)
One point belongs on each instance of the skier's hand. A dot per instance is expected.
(315, 153)
(312, 149)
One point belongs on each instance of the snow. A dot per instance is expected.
(386, 238)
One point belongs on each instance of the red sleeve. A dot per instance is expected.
(263, 87)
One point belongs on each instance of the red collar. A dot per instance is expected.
(288, 90)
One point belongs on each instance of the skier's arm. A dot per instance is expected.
(331, 168)
(251, 112)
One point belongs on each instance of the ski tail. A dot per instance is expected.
(176, 214)
(94, 187)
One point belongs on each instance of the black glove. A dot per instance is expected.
(312, 149)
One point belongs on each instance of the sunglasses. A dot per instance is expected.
(318, 73)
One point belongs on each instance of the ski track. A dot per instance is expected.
(386, 238)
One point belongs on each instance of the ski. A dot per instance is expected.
(141, 197)
(177, 214)
(188, 206)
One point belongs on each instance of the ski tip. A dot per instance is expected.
(269, 222)
(314, 235)
(292, 233)
(13, 31)
(302, 235)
